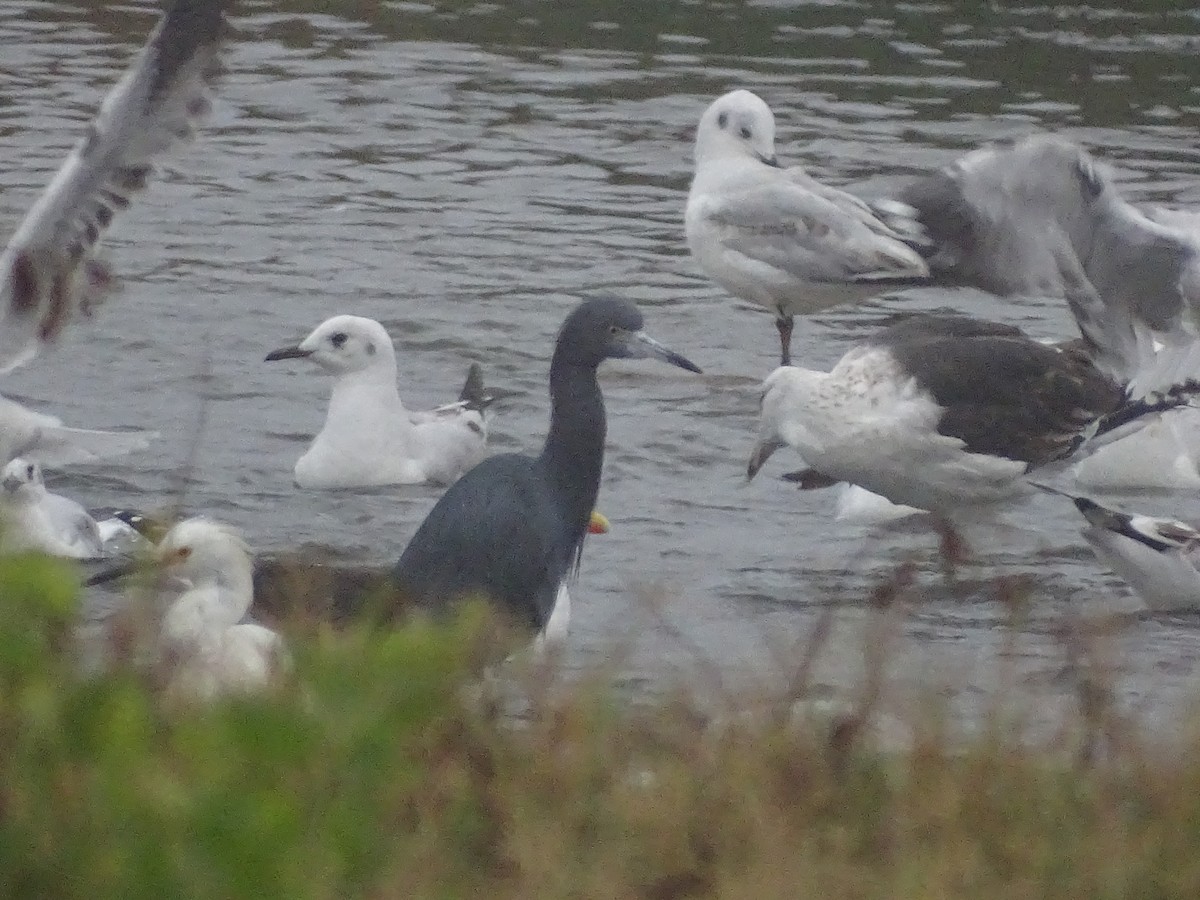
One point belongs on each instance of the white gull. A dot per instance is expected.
(1159, 558)
(779, 238)
(34, 519)
(206, 646)
(369, 437)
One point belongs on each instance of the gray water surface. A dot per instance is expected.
(466, 172)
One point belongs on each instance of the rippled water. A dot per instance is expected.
(466, 172)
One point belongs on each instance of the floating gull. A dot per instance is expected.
(946, 413)
(32, 518)
(1158, 558)
(369, 438)
(155, 106)
(779, 238)
(511, 530)
(204, 647)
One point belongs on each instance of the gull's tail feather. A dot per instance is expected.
(157, 104)
(57, 445)
(475, 396)
(904, 223)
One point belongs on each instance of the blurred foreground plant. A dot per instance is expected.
(388, 766)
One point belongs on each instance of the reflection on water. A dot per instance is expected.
(465, 171)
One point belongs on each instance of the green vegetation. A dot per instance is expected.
(384, 767)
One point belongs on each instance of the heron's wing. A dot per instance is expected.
(156, 105)
(803, 233)
(492, 535)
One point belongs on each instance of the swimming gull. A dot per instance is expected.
(1159, 558)
(369, 437)
(780, 238)
(157, 104)
(204, 645)
(34, 519)
(946, 413)
(511, 530)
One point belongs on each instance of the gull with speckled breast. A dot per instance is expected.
(948, 414)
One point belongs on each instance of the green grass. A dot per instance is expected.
(382, 767)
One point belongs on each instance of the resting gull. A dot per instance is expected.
(205, 647)
(780, 238)
(1158, 558)
(369, 437)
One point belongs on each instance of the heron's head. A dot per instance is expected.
(21, 478)
(737, 124)
(610, 328)
(343, 344)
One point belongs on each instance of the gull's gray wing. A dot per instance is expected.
(46, 440)
(156, 105)
(803, 233)
(999, 217)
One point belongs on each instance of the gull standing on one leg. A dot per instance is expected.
(780, 238)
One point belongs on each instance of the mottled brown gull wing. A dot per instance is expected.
(1002, 393)
(156, 105)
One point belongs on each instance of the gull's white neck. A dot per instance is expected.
(726, 168)
(373, 388)
(214, 603)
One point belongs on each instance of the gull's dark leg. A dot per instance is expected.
(784, 324)
(952, 547)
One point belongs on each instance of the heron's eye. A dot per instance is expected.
(722, 120)
(338, 339)
(745, 132)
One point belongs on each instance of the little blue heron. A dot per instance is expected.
(511, 529)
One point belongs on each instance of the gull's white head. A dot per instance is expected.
(737, 124)
(776, 418)
(204, 554)
(21, 480)
(345, 344)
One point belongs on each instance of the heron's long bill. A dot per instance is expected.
(642, 346)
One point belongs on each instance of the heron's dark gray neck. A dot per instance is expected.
(574, 451)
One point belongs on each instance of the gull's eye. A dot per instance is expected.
(745, 133)
(337, 338)
(614, 330)
(722, 120)
(29, 471)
